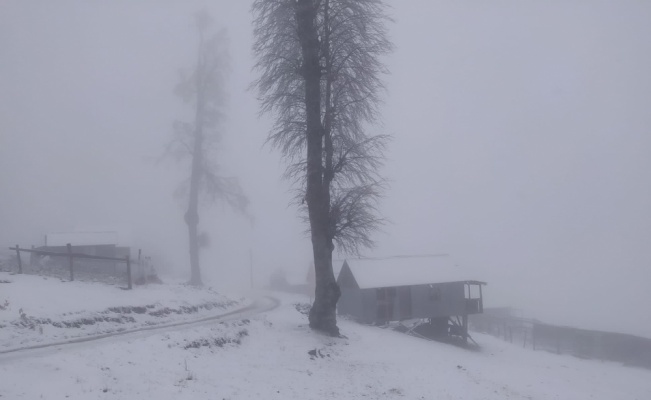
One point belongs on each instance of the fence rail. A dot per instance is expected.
(71, 257)
(582, 343)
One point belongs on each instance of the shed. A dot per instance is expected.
(103, 244)
(402, 288)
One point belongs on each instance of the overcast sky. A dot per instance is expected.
(521, 140)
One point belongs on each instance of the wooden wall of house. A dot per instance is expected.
(438, 300)
(404, 302)
(108, 250)
(350, 303)
(369, 305)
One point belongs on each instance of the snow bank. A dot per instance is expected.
(35, 309)
(276, 356)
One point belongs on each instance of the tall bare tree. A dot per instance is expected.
(320, 75)
(203, 90)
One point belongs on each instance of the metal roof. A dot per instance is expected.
(81, 238)
(407, 271)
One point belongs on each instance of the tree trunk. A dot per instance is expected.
(195, 270)
(192, 216)
(323, 313)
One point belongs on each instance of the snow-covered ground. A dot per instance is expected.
(36, 310)
(274, 355)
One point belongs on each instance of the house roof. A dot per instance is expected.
(81, 238)
(406, 271)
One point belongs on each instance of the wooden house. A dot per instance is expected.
(103, 244)
(403, 288)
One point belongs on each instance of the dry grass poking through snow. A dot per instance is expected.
(36, 309)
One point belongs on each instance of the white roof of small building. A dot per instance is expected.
(407, 271)
(81, 238)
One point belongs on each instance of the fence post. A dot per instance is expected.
(129, 271)
(20, 263)
(72, 275)
(141, 272)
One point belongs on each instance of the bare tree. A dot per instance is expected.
(320, 75)
(203, 90)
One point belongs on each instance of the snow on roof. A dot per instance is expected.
(405, 271)
(81, 238)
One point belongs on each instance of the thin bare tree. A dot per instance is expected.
(320, 76)
(203, 90)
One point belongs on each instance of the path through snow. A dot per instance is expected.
(276, 356)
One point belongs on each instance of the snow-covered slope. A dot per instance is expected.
(275, 356)
(37, 310)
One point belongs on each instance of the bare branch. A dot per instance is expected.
(352, 41)
(203, 89)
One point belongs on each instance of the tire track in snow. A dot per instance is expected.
(260, 305)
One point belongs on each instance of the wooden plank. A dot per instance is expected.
(128, 261)
(20, 263)
(481, 301)
(78, 255)
(72, 276)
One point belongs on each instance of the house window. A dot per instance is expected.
(434, 293)
(386, 294)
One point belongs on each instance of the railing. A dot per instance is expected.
(474, 306)
(583, 343)
(71, 256)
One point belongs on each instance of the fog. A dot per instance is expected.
(520, 145)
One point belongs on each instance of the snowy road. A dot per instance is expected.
(260, 305)
(268, 351)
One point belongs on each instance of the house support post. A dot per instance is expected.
(20, 263)
(481, 300)
(72, 275)
(128, 259)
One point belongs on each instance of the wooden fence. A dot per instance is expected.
(71, 257)
(583, 343)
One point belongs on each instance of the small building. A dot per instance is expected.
(403, 288)
(103, 244)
